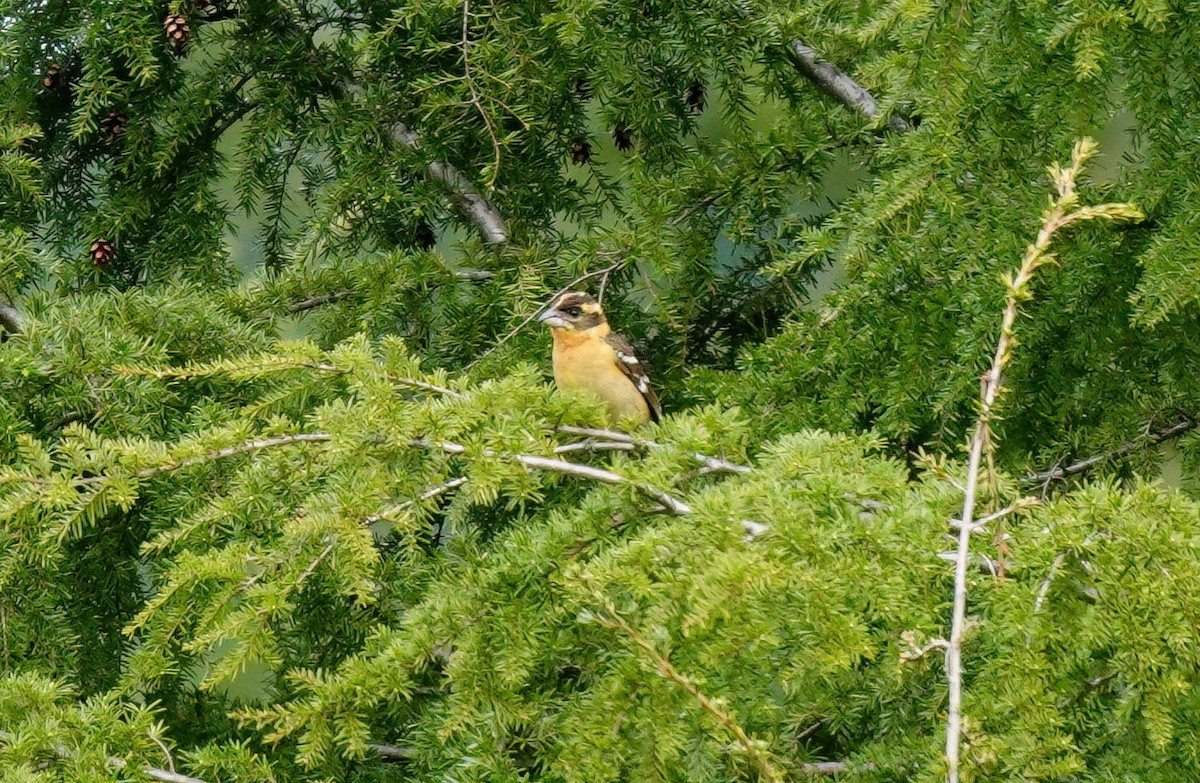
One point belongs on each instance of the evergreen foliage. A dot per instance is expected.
(285, 494)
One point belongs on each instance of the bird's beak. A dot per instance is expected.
(553, 319)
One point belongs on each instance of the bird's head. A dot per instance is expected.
(574, 311)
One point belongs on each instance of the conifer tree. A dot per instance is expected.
(286, 493)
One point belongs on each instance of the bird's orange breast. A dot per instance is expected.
(584, 362)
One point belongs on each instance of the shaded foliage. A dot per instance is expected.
(259, 558)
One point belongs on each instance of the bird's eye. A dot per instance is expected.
(574, 312)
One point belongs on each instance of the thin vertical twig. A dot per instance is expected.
(1062, 212)
(469, 77)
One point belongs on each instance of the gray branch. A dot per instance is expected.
(487, 218)
(838, 85)
(1124, 450)
(393, 753)
(824, 768)
(304, 305)
(615, 440)
(672, 504)
(164, 776)
(11, 320)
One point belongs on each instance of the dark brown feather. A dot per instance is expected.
(629, 364)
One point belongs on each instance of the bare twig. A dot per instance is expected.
(61, 751)
(603, 285)
(983, 563)
(166, 752)
(824, 768)
(917, 653)
(1125, 449)
(229, 451)
(1017, 505)
(312, 567)
(613, 437)
(590, 445)
(428, 494)
(396, 379)
(751, 747)
(668, 502)
(487, 219)
(671, 504)
(475, 275)
(166, 776)
(393, 753)
(838, 85)
(475, 101)
(320, 300)
(154, 773)
(1063, 211)
(70, 417)
(753, 529)
(1044, 590)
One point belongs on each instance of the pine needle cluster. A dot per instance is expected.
(285, 494)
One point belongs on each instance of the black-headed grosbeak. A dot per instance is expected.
(589, 357)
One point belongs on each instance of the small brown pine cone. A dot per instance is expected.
(102, 252)
(178, 31)
(113, 124)
(424, 237)
(581, 151)
(623, 137)
(52, 76)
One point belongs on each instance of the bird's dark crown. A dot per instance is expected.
(575, 310)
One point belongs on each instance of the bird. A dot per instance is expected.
(589, 357)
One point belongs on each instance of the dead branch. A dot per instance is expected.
(615, 440)
(1017, 505)
(1146, 440)
(154, 773)
(672, 505)
(166, 776)
(11, 320)
(593, 446)
(428, 494)
(835, 83)
(313, 302)
(229, 451)
(1063, 211)
(393, 753)
(825, 768)
(487, 219)
(669, 503)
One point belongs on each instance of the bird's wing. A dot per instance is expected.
(629, 364)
